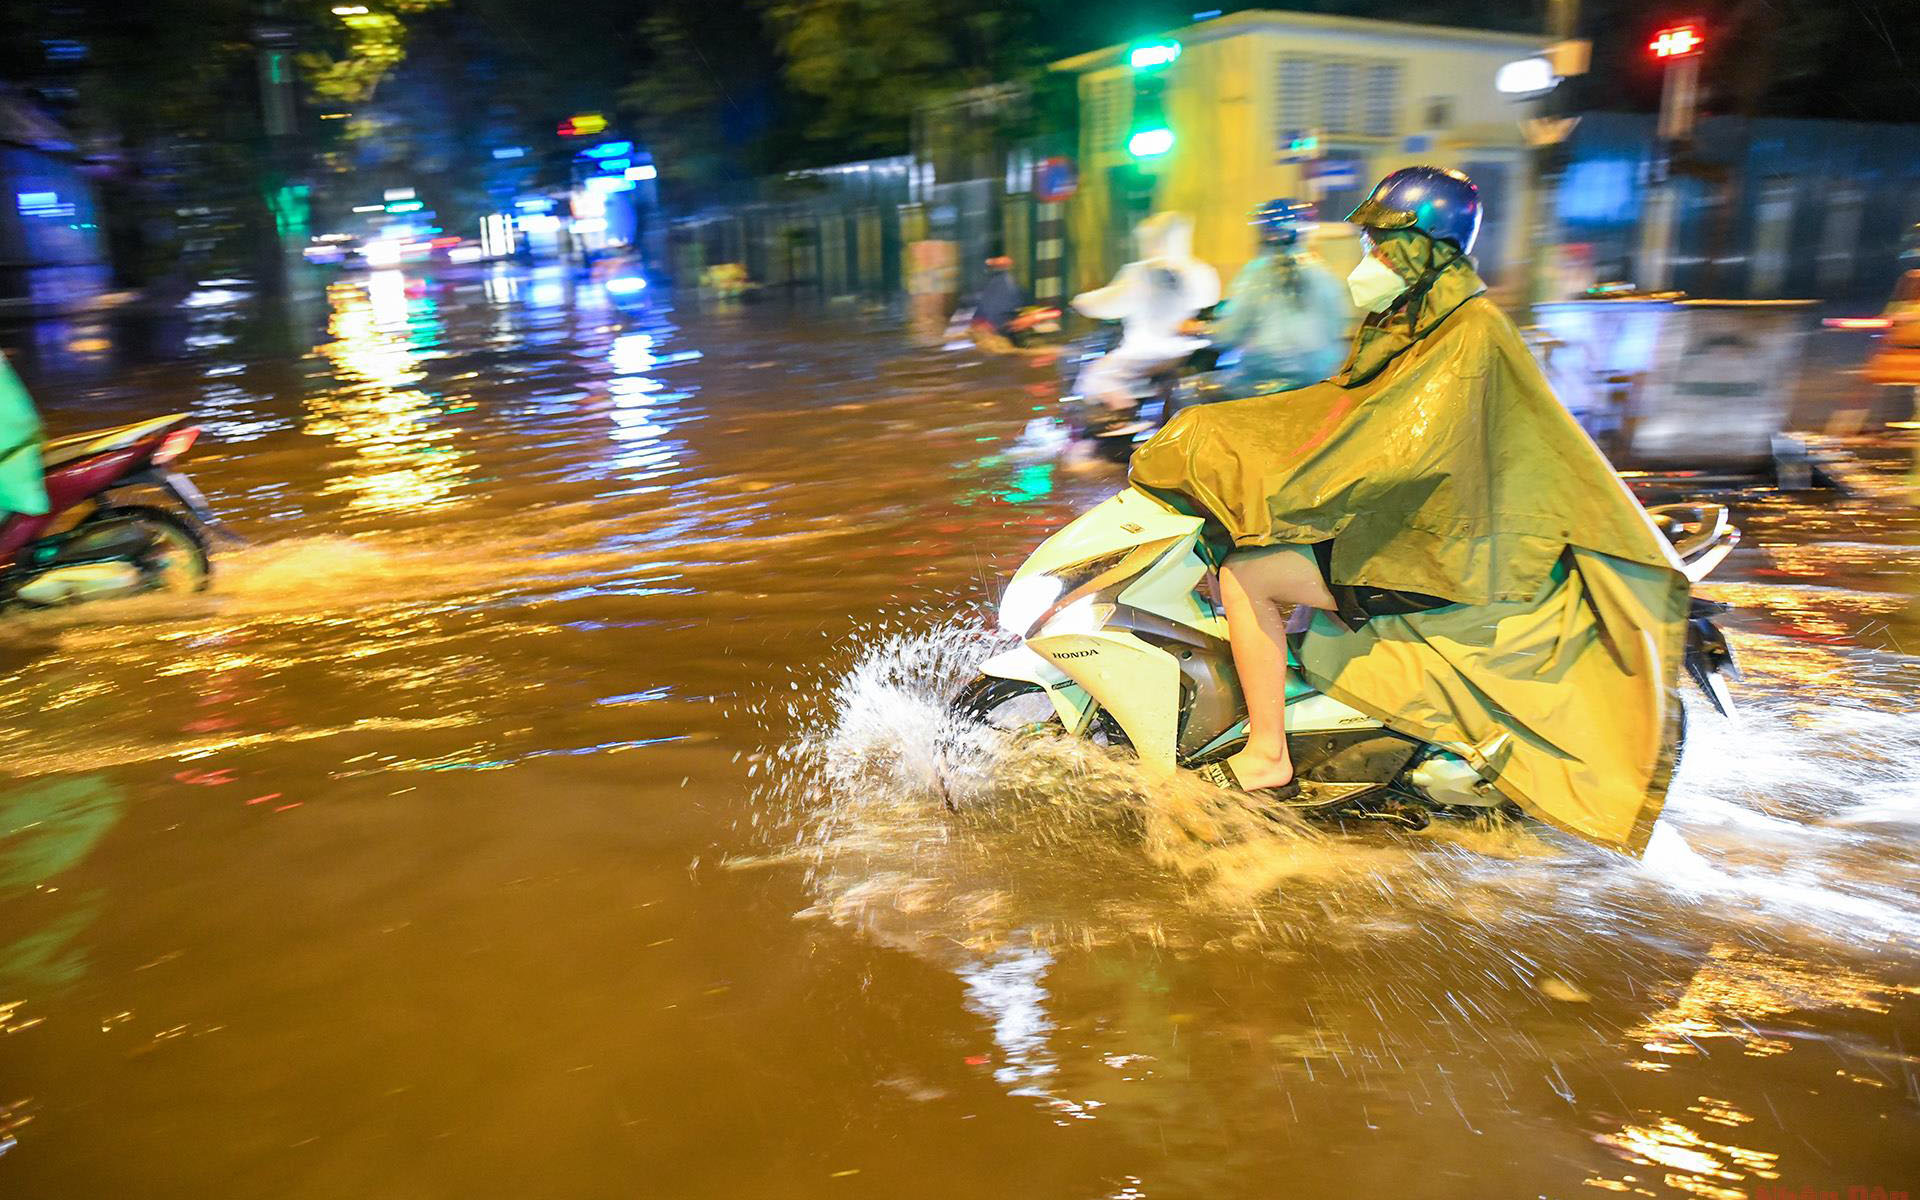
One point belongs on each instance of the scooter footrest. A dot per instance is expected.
(1321, 793)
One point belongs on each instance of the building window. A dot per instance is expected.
(1337, 94)
(1339, 97)
(1382, 100)
(1294, 80)
(1109, 109)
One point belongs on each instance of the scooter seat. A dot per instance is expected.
(60, 451)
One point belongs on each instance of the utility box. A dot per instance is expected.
(1676, 384)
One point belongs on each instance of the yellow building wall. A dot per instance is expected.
(1222, 99)
(1214, 106)
(1090, 259)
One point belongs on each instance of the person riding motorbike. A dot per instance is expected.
(1285, 313)
(23, 486)
(1156, 299)
(1472, 573)
(1896, 363)
(1003, 317)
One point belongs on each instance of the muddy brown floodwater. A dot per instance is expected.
(549, 802)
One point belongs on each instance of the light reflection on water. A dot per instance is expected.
(644, 411)
(1737, 987)
(406, 456)
(448, 811)
(1689, 1162)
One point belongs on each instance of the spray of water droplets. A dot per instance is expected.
(922, 827)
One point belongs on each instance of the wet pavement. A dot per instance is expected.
(547, 803)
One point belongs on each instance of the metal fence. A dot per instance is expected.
(835, 233)
(840, 233)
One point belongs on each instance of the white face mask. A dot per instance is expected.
(1374, 285)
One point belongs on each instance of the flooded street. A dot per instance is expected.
(552, 800)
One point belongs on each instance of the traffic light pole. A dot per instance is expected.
(1546, 164)
(1679, 99)
(273, 52)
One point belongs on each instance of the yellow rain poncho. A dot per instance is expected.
(1438, 461)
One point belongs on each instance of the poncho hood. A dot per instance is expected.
(1167, 235)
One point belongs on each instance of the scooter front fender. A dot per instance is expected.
(1070, 700)
(1136, 683)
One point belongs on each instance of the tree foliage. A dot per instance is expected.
(168, 93)
(376, 43)
(677, 106)
(868, 65)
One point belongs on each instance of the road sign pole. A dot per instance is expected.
(1545, 159)
(1679, 48)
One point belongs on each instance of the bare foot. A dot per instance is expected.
(1259, 771)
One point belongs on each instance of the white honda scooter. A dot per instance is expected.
(1124, 643)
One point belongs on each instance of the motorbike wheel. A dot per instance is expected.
(178, 559)
(1016, 706)
(1006, 704)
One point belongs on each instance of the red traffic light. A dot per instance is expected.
(1679, 41)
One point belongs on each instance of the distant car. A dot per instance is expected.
(331, 249)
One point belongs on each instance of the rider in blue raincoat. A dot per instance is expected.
(1287, 315)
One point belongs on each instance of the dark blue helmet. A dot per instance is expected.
(1279, 221)
(1438, 201)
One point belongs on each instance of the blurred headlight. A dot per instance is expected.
(1026, 601)
(1082, 616)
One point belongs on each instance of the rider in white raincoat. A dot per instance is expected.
(1153, 299)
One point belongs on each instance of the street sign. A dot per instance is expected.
(1054, 180)
(1334, 172)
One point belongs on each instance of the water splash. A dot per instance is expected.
(926, 829)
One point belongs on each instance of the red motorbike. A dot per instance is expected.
(94, 542)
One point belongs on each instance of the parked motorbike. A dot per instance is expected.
(94, 543)
(1124, 643)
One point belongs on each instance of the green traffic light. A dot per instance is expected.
(1150, 143)
(1153, 55)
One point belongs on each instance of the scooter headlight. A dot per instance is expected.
(1082, 616)
(1026, 601)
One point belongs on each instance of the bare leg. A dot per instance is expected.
(1259, 588)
